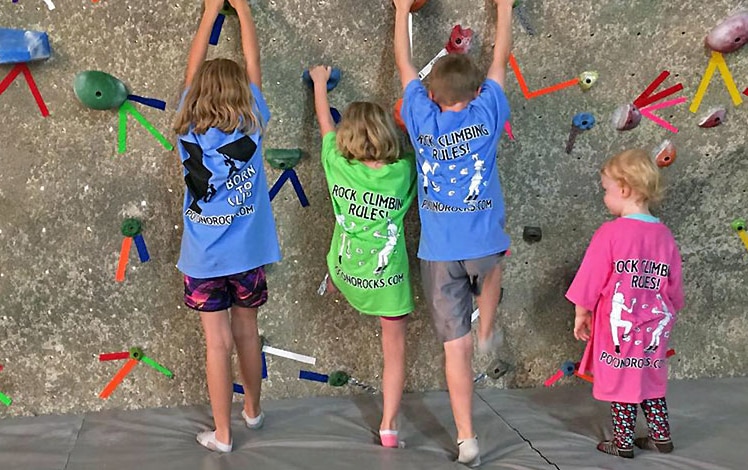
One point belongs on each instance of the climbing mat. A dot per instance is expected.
(553, 428)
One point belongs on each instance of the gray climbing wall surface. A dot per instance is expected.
(65, 190)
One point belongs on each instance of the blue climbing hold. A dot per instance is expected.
(20, 46)
(335, 115)
(568, 368)
(331, 83)
(583, 121)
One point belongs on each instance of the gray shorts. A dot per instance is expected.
(449, 287)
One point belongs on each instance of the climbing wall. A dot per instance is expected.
(74, 178)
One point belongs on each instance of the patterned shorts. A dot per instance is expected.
(248, 289)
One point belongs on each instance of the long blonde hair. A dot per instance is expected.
(635, 169)
(219, 97)
(367, 133)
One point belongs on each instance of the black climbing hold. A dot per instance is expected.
(532, 234)
(497, 369)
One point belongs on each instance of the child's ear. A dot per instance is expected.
(477, 93)
(625, 190)
(431, 95)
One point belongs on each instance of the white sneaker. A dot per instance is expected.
(254, 423)
(469, 452)
(208, 440)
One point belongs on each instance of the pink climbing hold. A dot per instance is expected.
(730, 35)
(459, 40)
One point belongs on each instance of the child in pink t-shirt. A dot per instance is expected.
(627, 292)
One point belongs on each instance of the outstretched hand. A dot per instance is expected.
(583, 326)
(320, 73)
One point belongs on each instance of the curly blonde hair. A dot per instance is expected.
(367, 133)
(635, 169)
(219, 97)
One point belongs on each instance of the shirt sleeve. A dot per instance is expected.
(492, 104)
(262, 106)
(594, 272)
(416, 103)
(675, 281)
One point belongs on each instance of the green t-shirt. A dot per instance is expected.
(368, 262)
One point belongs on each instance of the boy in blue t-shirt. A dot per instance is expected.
(455, 126)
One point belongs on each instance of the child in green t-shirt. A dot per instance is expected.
(371, 187)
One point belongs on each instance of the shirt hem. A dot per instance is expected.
(223, 273)
(455, 258)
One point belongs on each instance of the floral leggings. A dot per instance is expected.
(624, 420)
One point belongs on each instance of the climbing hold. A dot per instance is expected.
(580, 122)
(459, 40)
(417, 5)
(730, 35)
(283, 159)
(228, 9)
(130, 227)
(532, 234)
(335, 115)
(99, 90)
(20, 46)
(497, 369)
(583, 121)
(397, 114)
(338, 378)
(332, 82)
(626, 117)
(136, 353)
(739, 226)
(587, 80)
(713, 118)
(665, 154)
(568, 368)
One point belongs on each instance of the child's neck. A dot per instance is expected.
(635, 207)
(457, 107)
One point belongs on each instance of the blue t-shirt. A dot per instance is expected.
(228, 221)
(459, 193)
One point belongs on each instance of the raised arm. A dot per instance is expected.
(320, 74)
(503, 41)
(199, 47)
(250, 46)
(403, 60)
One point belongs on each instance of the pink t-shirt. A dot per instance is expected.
(630, 278)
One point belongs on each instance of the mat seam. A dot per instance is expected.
(77, 436)
(529, 443)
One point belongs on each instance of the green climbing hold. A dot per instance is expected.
(99, 90)
(738, 225)
(130, 227)
(136, 353)
(283, 159)
(338, 378)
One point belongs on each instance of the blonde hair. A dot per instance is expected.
(635, 169)
(454, 79)
(219, 97)
(367, 133)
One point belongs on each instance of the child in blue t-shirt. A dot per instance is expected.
(229, 230)
(455, 126)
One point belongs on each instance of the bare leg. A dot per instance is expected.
(249, 350)
(218, 347)
(393, 375)
(459, 371)
(488, 302)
